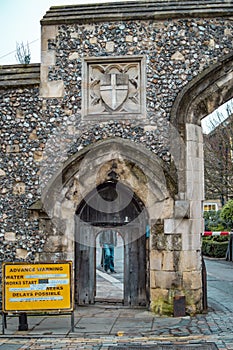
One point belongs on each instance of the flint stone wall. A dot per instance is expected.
(176, 51)
(42, 126)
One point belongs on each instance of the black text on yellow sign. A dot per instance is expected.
(37, 287)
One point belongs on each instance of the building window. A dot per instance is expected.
(210, 207)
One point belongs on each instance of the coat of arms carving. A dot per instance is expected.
(113, 87)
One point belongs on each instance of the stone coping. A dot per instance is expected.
(133, 10)
(19, 75)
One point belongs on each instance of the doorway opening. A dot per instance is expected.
(112, 206)
(110, 285)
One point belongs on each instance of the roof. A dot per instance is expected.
(126, 10)
(19, 75)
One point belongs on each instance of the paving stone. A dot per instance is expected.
(9, 347)
(193, 329)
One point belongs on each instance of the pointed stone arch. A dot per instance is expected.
(153, 183)
(205, 93)
(150, 178)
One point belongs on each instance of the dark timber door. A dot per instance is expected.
(84, 264)
(89, 221)
(135, 268)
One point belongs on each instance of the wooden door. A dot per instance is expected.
(84, 264)
(135, 274)
(135, 268)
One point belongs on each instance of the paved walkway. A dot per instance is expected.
(103, 327)
(99, 327)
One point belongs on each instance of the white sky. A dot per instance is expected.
(20, 22)
(217, 117)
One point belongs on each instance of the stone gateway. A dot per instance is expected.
(106, 133)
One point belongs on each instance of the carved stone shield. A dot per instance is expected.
(114, 89)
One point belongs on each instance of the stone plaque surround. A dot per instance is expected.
(113, 87)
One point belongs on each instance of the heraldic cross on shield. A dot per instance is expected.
(114, 89)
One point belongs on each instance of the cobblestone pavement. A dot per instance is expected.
(100, 328)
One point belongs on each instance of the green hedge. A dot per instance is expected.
(213, 248)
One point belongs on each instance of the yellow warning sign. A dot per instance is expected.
(37, 287)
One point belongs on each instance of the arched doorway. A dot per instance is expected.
(121, 185)
(112, 205)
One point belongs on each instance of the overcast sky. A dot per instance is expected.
(20, 22)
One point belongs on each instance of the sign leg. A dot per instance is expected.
(72, 321)
(3, 322)
(23, 324)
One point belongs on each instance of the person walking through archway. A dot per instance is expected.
(108, 241)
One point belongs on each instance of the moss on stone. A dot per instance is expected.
(162, 307)
(165, 306)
